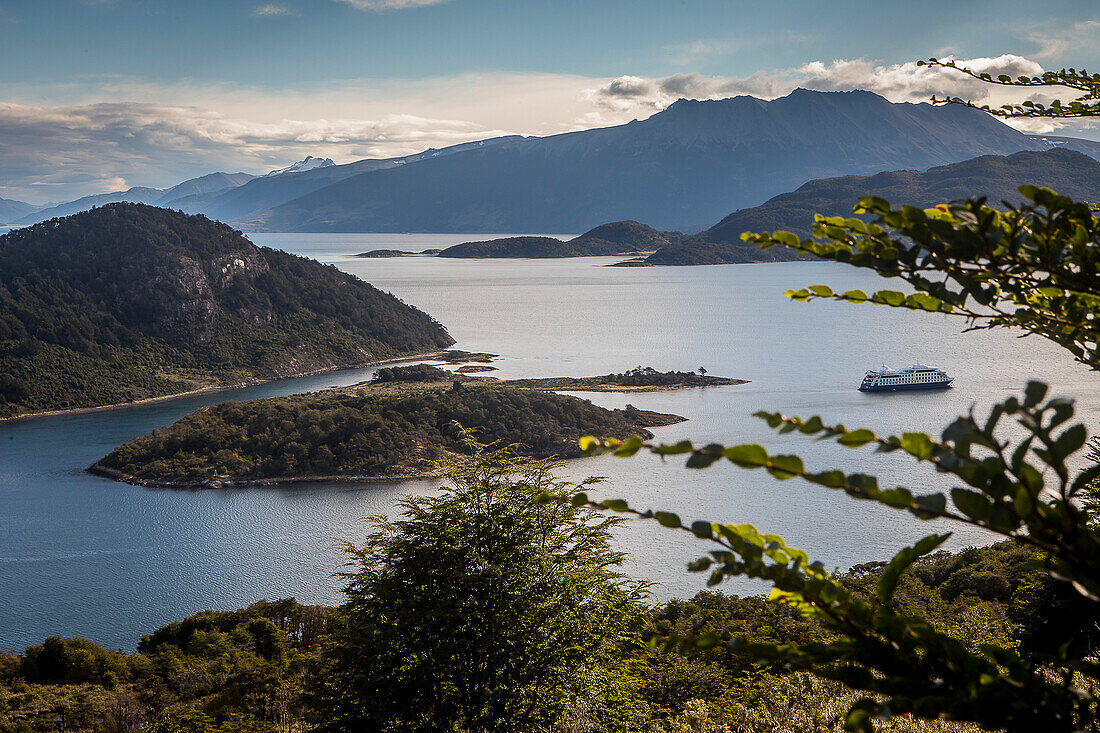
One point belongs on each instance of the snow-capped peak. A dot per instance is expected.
(306, 164)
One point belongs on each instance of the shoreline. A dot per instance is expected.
(443, 467)
(623, 388)
(98, 469)
(428, 355)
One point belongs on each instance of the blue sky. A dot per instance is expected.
(100, 94)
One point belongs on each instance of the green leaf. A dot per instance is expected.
(889, 297)
(667, 519)
(899, 498)
(702, 458)
(856, 438)
(823, 291)
(702, 529)
(629, 447)
(918, 445)
(1070, 441)
(799, 295)
(972, 504)
(1034, 392)
(706, 641)
(746, 456)
(930, 505)
(785, 467)
(1023, 502)
(684, 446)
(829, 479)
(697, 566)
(788, 239)
(888, 581)
(615, 505)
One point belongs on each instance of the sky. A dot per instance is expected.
(101, 95)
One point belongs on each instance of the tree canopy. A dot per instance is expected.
(477, 610)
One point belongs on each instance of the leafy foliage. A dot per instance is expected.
(1033, 267)
(216, 672)
(130, 301)
(477, 610)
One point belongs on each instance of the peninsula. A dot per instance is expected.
(409, 422)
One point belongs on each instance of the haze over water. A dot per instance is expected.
(82, 555)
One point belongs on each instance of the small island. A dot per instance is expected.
(382, 253)
(638, 379)
(409, 422)
(619, 238)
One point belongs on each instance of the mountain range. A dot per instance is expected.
(681, 168)
(305, 164)
(10, 210)
(163, 197)
(995, 177)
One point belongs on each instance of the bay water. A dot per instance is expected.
(83, 555)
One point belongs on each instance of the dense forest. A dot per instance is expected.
(129, 301)
(404, 422)
(246, 671)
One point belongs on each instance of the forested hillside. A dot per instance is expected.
(129, 301)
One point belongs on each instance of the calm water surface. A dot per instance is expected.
(84, 555)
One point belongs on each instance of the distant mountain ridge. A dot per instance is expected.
(11, 210)
(1090, 148)
(267, 192)
(216, 195)
(992, 176)
(164, 197)
(129, 301)
(306, 164)
(677, 170)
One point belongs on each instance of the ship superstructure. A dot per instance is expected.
(917, 376)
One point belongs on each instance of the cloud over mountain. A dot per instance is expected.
(905, 82)
(63, 152)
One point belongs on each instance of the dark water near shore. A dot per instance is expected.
(83, 555)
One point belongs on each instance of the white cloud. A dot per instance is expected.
(1058, 44)
(274, 11)
(381, 5)
(65, 152)
(905, 82)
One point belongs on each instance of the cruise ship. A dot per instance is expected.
(917, 376)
